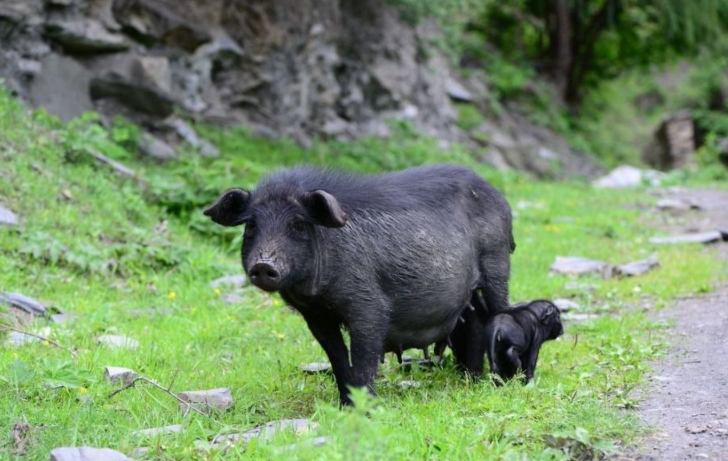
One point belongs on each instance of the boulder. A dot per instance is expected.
(85, 36)
(674, 143)
(87, 454)
(141, 83)
(62, 88)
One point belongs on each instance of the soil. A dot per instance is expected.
(687, 399)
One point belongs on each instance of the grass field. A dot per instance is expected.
(136, 257)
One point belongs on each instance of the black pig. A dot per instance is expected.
(514, 337)
(394, 258)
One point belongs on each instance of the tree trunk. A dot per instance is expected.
(560, 32)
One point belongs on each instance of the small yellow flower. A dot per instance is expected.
(552, 228)
(14, 355)
(82, 390)
(281, 336)
(217, 291)
(46, 343)
(276, 302)
(171, 295)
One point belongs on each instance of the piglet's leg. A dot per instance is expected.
(514, 360)
(327, 332)
(531, 363)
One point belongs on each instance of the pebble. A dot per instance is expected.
(155, 431)
(316, 367)
(118, 341)
(119, 374)
(636, 268)
(7, 217)
(87, 454)
(574, 265)
(697, 428)
(702, 237)
(566, 305)
(16, 338)
(213, 399)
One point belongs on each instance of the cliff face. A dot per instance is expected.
(297, 68)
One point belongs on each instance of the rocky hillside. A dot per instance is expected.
(303, 69)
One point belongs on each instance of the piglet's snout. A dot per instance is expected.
(265, 275)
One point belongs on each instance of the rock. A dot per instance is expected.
(116, 166)
(141, 83)
(638, 267)
(24, 303)
(457, 91)
(153, 147)
(316, 368)
(118, 341)
(153, 432)
(697, 428)
(29, 67)
(570, 265)
(566, 305)
(16, 338)
(576, 286)
(63, 318)
(85, 36)
(677, 205)
(7, 217)
(266, 432)
(187, 133)
(119, 374)
(233, 298)
(87, 454)
(702, 237)
(140, 452)
(62, 88)
(214, 399)
(578, 317)
(231, 281)
(628, 176)
(674, 143)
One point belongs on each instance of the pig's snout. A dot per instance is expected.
(264, 275)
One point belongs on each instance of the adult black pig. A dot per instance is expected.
(394, 258)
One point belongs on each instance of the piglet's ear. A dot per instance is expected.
(324, 209)
(230, 208)
(549, 313)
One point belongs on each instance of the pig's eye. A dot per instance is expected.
(298, 226)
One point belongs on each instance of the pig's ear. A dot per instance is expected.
(230, 208)
(324, 209)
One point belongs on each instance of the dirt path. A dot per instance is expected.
(688, 398)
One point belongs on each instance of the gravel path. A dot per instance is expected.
(688, 395)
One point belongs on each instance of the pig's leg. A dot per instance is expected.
(531, 362)
(367, 344)
(327, 332)
(494, 283)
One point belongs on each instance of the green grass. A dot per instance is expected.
(106, 248)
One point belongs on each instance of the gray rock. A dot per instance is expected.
(62, 88)
(230, 281)
(29, 67)
(118, 341)
(116, 166)
(87, 454)
(576, 286)
(666, 204)
(214, 399)
(578, 317)
(141, 83)
(153, 432)
(457, 91)
(119, 375)
(63, 318)
(566, 305)
(188, 133)
(24, 303)
(638, 267)
(85, 36)
(153, 147)
(266, 432)
(16, 338)
(316, 368)
(702, 237)
(7, 217)
(674, 143)
(628, 176)
(570, 265)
